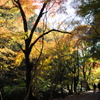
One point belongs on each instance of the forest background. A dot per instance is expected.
(40, 59)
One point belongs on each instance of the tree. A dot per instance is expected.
(89, 10)
(64, 63)
(22, 5)
(84, 35)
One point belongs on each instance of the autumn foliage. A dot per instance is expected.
(43, 61)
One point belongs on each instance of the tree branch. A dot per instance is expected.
(95, 30)
(22, 14)
(45, 34)
(37, 21)
(17, 4)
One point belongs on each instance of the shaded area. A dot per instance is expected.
(90, 95)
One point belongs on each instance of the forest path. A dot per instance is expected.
(90, 95)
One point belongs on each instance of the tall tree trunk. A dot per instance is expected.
(84, 76)
(78, 66)
(71, 88)
(52, 91)
(75, 84)
(76, 78)
(28, 78)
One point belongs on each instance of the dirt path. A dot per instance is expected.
(85, 96)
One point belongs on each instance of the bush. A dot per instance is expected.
(14, 93)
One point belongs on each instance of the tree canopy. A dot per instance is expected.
(41, 62)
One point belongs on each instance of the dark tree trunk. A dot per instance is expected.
(70, 92)
(75, 79)
(75, 84)
(88, 88)
(76, 67)
(28, 78)
(28, 72)
(84, 74)
(67, 86)
(52, 91)
(72, 88)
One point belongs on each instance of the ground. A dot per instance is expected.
(90, 95)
